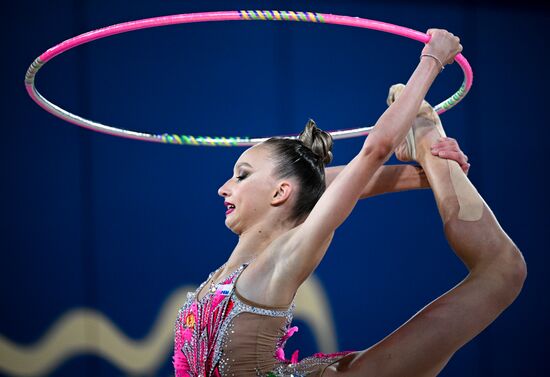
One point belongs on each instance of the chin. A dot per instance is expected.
(231, 228)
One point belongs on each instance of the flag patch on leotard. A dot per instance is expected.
(225, 289)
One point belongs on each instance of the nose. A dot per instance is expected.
(224, 189)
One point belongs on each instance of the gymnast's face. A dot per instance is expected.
(248, 194)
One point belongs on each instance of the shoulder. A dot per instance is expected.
(263, 279)
(273, 256)
(276, 274)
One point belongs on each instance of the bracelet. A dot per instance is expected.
(436, 58)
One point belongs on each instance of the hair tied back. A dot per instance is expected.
(319, 141)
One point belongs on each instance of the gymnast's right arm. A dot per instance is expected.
(303, 250)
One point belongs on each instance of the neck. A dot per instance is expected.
(254, 241)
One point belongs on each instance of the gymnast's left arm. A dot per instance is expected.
(396, 178)
(387, 179)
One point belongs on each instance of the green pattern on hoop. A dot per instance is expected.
(280, 16)
(215, 141)
(454, 99)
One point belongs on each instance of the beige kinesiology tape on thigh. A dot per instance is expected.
(469, 201)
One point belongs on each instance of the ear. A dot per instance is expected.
(282, 193)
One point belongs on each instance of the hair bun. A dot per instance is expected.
(319, 141)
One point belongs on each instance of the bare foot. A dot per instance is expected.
(426, 129)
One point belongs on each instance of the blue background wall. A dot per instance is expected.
(90, 220)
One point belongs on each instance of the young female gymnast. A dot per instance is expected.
(237, 322)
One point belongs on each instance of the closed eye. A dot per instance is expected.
(243, 173)
(241, 177)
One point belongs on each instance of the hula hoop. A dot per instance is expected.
(223, 16)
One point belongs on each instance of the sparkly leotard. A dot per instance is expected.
(224, 334)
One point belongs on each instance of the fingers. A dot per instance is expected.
(457, 39)
(432, 31)
(445, 140)
(448, 148)
(459, 44)
(446, 143)
(443, 44)
(459, 156)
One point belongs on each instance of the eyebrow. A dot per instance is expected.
(242, 164)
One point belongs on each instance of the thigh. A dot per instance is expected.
(423, 345)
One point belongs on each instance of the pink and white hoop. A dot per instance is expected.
(222, 16)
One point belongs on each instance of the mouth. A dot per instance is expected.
(230, 207)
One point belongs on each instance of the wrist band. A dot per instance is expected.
(436, 58)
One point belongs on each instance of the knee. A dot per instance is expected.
(516, 271)
(509, 271)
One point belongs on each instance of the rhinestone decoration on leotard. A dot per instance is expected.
(203, 327)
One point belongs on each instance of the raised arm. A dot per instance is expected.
(387, 179)
(305, 248)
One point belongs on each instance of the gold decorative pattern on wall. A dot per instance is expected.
(87, 331)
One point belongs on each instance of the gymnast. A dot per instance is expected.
(237, 322)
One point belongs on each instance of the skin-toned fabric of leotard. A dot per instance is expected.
(249, 336)
(258, 333)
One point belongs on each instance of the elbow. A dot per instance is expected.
(378, 150)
